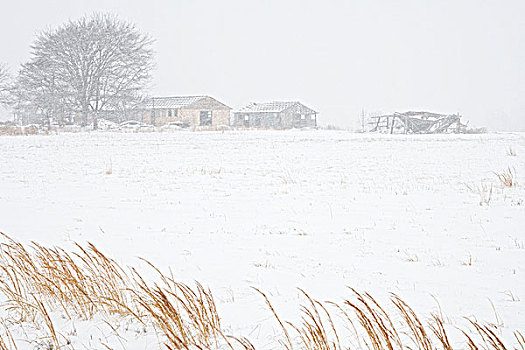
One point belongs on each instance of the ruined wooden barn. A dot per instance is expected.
(417, 123)
(275, 115)
(188, 110)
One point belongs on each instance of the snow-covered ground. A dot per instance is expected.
(277, 210)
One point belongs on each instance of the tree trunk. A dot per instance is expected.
(84, 117)
(95, 121)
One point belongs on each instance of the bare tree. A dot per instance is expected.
(96, 63)
(4, 84)
(37, 93)
(3, 76)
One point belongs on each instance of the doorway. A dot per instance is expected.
(205, 118)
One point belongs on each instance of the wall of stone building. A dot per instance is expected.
(161, 116)
(220, 117)
(299, 120)
(300, 116)
(304, 121)
(146, 117)
(262, 120)
(297, 116)
(287, 120)
(191, 116)
(238, 119)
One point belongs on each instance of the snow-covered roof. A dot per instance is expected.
(173, 102)
(269, 107)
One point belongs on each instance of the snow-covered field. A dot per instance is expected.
(277, 210)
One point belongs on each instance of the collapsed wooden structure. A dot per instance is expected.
(418, 123)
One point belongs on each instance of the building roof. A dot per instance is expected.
(268, 107)
(173, 102)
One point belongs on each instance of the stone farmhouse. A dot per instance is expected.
(193, 111)
(275, 115)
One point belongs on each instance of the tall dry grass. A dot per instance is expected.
(80, 283)
(36, 280)
(365, 324)
(186, 316)
(86, 282)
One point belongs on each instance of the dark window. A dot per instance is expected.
(169, 112)
(205, 119)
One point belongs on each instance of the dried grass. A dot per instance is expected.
(6, 339)
(37, 280)
(288, 345)
(13, 130)
(86, 282)
(80, 284)
(507, 178)
(379, 330)
(520, 339)
(511, 152)
(484, 191)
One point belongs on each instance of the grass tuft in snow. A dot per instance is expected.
(507, 178)
(511, 152)
(484, 191)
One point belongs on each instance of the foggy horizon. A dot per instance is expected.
(339, 57)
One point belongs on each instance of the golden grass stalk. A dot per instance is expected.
(489, 338)
(507, 178)
(313, 333)
(520, 339)
(511, 152)
(288, 345)
(6, 338)
(375, 322)
(419, 334)
(484, 191)
(243, 342)
(437, 326)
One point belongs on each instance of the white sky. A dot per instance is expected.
(335, 56)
